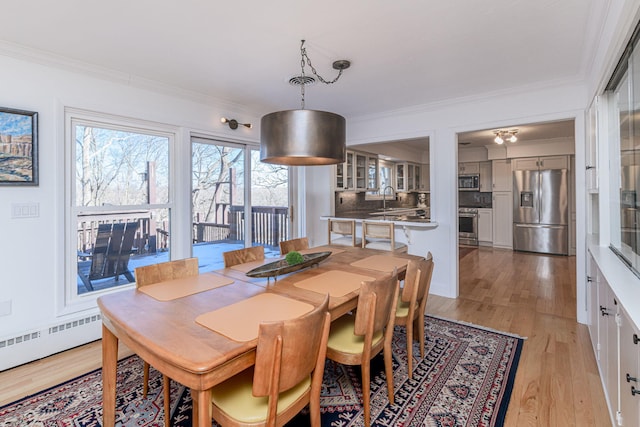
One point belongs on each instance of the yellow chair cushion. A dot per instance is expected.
(234, 397)
(342, 338)
(402, 309)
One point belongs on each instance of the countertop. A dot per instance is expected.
(394, 216)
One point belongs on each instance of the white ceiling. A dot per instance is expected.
(403, 52)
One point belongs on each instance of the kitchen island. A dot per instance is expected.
(410, 228)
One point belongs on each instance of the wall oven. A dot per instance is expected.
(468, 226)
(469, 182)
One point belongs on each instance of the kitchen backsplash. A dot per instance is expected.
(348, 201)
(474, 199)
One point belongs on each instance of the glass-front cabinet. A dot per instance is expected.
(372, 172)
(408, 177)
(344, 173)
(361, 171)
(401, 177)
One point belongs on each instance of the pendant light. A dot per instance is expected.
(304, 137)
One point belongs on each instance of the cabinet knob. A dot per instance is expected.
(590, 167)
(635, 338)
(634, 391)
(630, 378)
(603, 311)
(589, 279)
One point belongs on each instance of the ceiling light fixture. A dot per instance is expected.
(233, 123)
(304, 137)
(505, 135)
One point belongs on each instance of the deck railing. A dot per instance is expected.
(270, 225)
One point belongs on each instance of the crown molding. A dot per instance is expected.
(472, 99)
(48, 59)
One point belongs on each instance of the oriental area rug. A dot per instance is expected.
(465, 379)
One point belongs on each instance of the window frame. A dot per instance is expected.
(69, 299)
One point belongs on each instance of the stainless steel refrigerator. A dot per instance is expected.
(540, 211)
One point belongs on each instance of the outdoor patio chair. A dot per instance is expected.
(110, 255)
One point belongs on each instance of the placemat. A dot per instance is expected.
(248, 266)
(240, 321)
(321, 249)
(384, 263)
(336, 283)
(178, 288)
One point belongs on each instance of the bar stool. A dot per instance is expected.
(381, 235)
(346, 229)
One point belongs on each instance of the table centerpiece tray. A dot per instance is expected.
(280, 267)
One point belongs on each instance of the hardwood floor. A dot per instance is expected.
(557, 383)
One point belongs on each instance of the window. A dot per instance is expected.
(385, 180)
(624, 105)
(119, 214)
(233, 209)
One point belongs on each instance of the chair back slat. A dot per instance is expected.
(241, 256)
(379, 293)
(170, 270)
(298, 341)
(298, 244)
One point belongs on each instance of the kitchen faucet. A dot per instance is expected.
(384, 200)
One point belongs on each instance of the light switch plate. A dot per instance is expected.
(25, 210)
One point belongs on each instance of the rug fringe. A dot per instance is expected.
(477, 326)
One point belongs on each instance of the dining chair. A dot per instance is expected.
(412, 303)
(155, 273)
(286, 377)
(355, 339)
(346, 230)
(299, 244)
(378, 235)
(241, 256)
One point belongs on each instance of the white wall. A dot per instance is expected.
(31, 250)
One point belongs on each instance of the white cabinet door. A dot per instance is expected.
(629, 371)
(593, 278)
(535, 163)
(502, 220)
(608, 340)
(554, 162)
(525, 164)
(501, 175)
(485, 225)
(401, 177)
(592, 149)
(361, 171)
(468, 168)
(486, 182)
(426, 178)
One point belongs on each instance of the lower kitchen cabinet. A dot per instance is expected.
(502, 219)
(629, 372)
(616, 342)
(485, 226)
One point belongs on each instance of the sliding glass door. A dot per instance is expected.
(236, 201)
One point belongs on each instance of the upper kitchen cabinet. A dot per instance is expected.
(486, 180)
(535, 163)
(372, 172)
(501, 175)
(408, 177)
(425, 184)
(344, 173)
(468, 168)
(359, 172)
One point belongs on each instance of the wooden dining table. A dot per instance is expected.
(167, 335)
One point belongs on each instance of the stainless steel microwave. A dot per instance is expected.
(469, 182)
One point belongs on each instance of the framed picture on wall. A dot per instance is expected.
(18, 147)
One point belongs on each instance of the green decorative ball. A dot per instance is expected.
(294, 258)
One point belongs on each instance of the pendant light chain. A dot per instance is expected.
(303, 53)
